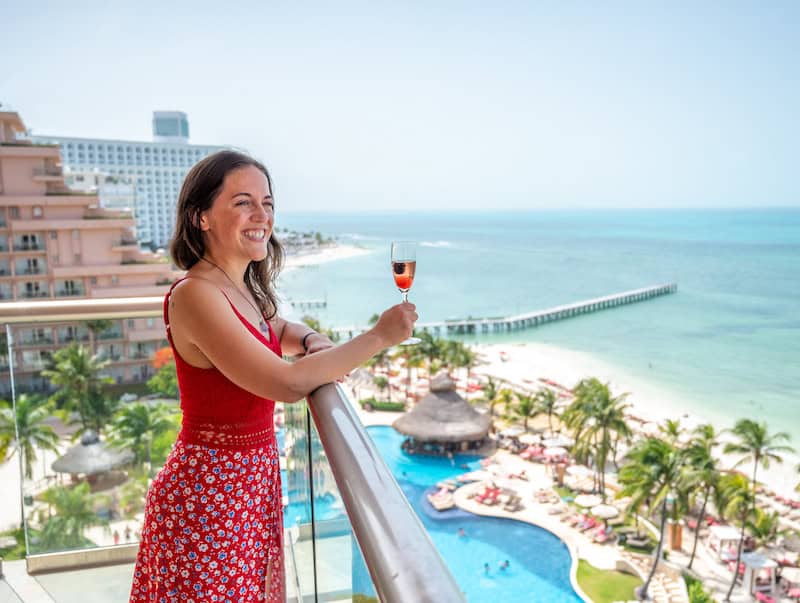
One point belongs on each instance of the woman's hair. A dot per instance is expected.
(200, 187)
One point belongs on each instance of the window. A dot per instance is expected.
(53, 235)
(37, 211)
(13, 212)
(114, 279)
(93, 280)
(76, 235)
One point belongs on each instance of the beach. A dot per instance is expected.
(523, 365)
(323, 255)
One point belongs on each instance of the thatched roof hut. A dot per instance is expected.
(444, 417)
(91, 456)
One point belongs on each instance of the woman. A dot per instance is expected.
(213, 527)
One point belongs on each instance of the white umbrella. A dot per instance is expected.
(579, 470)
(605, 511)
(558, 441)
(512, 432)
(529, 438)
(588, 500)
(791, 574)
(555, 451)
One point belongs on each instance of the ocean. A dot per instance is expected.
(726, 346)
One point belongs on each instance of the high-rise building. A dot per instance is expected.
(170, 126)
(59, 243)
(157, 169)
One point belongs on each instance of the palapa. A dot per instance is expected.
(91, 456)
(443, 416)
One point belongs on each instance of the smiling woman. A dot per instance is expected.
(213, 526)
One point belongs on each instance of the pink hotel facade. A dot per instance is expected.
(55, 243)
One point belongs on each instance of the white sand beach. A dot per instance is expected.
(523, 364)
(323, 256)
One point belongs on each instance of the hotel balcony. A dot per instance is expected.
(349, 531)
(48, 174)
(28, 245)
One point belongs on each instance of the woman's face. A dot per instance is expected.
(239, 223)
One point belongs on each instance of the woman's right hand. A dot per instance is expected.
(396, 324)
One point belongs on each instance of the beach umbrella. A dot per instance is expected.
(579, 470)
(605, 511)
(555, 451)
(512, 432)
(91, 456)
(558, 441)
(529, 438)
(588, 500)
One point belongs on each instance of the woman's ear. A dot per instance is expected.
(201, 221)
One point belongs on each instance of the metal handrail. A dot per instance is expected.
(402, 561)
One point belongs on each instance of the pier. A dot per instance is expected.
(472, 326)
(308, 303)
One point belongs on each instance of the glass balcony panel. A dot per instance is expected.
(321, 543)
(84, 486)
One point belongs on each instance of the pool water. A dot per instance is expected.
(539, 563)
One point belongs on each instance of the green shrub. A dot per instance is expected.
(697, 594)
(372, 404)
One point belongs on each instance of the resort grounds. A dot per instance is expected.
(530, 490)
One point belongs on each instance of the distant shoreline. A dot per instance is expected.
(322, 255)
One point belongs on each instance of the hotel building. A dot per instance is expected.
(156, 169)
(56, 242)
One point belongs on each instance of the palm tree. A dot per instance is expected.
(526, 408)
(76, 375)
(73, 514)
(703, 472)
(490, 390)
(597, 418)
(33, 432)
(765, 527)
(653, 471)
(505, 397)
(797, 487)
(137, 425)
(547, 399)
(671, 430)
(757, 446)
(740, 508)
(382, 383)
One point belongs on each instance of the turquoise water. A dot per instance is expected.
(726, 346)
(539, 562)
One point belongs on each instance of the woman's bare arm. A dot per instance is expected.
(201, 317)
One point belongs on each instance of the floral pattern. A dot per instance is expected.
(213, 528)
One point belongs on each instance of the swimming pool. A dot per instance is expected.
(539, 562)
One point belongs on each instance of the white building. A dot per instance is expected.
(157, 169)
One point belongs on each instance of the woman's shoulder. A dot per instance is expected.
(197, 292)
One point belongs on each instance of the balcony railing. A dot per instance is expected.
(34, 294)
(69, 292)
(47, 171)
(30, 246)
(376, 548)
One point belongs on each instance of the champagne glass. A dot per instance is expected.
(404, 265)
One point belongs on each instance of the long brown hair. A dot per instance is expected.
(200, 187)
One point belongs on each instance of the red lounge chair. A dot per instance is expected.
(488, 496)
(764, 598)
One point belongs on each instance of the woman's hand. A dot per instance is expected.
(396, 324)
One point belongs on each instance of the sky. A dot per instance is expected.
(437, 105)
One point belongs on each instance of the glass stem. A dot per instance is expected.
(405, 296)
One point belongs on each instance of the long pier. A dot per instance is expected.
(471, 326)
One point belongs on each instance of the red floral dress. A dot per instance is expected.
(213, 525)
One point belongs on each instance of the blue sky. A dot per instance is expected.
(438, 105)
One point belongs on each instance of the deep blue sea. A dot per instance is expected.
(728, 343)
